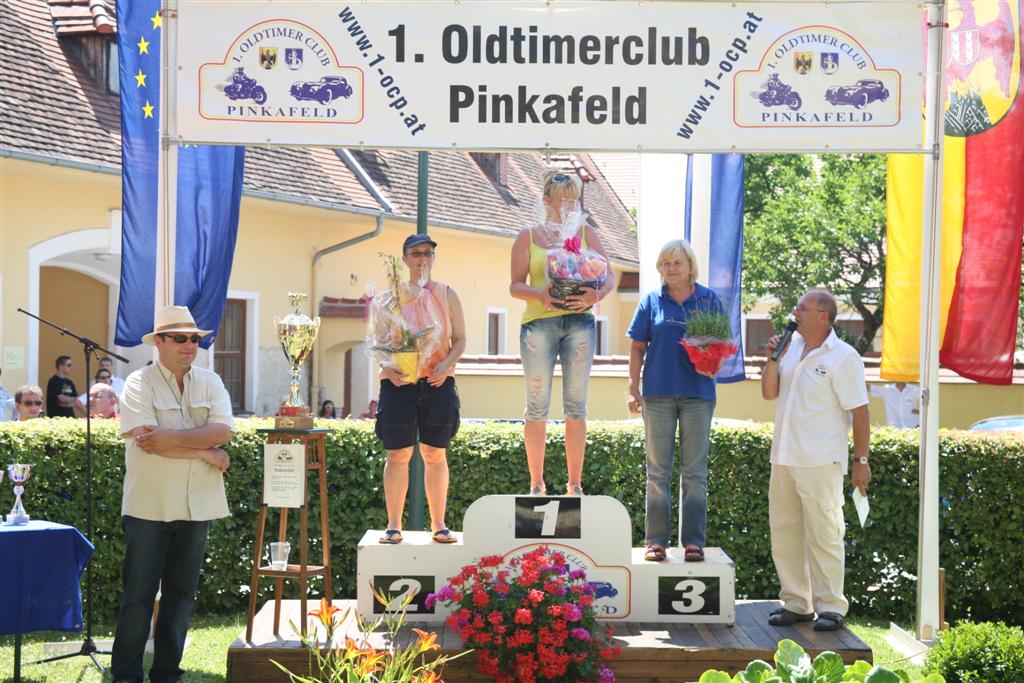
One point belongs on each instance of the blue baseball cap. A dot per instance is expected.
(415, 240)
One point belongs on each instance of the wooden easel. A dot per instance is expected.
(316, 459)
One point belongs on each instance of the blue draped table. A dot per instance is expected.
(41, 566)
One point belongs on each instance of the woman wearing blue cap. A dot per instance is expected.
(426, 410)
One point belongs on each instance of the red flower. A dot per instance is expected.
(708, 357)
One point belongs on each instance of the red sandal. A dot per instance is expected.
(655, 553)
(693, 553)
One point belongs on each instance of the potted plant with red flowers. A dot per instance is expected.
(708, 340)
(529, 618)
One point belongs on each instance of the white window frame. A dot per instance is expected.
(602, 344)
(502, 329)
(744, 317)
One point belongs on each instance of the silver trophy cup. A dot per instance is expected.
(18, 473)
(296, 332)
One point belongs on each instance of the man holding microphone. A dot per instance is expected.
(819, 382)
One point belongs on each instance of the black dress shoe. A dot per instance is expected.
(828, 621)
(783, 617)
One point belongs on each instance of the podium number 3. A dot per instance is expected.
(690, 591)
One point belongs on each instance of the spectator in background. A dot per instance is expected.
(327, 410)
(102, 377)
(902, 403)
(7, 411)
(371, 411)
(61, 394)
(28, 402)
(115, 382)
(102, 401)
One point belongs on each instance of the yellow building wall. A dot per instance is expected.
(37, 203)
(79, 303)
(502, 394)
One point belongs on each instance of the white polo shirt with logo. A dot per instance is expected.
(816, 395)
(163, 489)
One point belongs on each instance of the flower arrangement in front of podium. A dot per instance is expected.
(358, 661)
(529, 618)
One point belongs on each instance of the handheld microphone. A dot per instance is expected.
(790, 329)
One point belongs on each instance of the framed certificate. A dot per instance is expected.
(284, 475)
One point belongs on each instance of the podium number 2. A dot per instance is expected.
(401, 588)
(688, 595)
(543, 517)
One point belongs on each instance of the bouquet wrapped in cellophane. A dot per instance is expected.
(404, 325)
(708, 340)
(571, 266)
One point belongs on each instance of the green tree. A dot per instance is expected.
(816, 222)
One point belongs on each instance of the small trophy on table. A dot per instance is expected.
(18, 473)
(297, 332)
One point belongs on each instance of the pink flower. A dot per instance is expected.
(580, 633)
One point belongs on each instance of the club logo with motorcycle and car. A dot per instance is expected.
(817, 77)
(281, 71)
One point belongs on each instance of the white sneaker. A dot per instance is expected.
(538, 490)
(574, 490)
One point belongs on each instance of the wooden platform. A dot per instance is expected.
(656, 653)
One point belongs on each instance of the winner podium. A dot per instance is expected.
(595, 535)
(674, 619)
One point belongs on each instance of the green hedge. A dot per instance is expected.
(981, 518)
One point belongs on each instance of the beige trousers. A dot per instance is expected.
(805, 513)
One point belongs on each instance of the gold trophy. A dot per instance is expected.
(297, 332)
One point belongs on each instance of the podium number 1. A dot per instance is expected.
(550, 510)
(543, 517)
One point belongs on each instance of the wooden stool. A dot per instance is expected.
(316, 459)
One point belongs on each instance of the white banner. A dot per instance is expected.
(651, 76)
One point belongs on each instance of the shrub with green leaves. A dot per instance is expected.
(982, 509)
(979, 653)
(793, 665)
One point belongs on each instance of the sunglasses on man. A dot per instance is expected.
(181, 338)
(31, 403)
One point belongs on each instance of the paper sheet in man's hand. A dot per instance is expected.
(860, 503)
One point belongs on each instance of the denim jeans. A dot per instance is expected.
(572, 338)
(692, 416)
(167, 555)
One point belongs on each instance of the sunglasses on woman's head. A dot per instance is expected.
(559, 178)
(182, 338)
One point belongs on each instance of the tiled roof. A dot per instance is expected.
(50, 106)
(83, 16)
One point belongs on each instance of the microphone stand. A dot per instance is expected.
(89, 347)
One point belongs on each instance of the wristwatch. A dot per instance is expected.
(862, 460)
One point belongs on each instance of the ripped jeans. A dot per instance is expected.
(573, 339)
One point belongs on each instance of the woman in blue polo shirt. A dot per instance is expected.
(674, 394)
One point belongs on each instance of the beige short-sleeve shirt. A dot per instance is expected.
(816, 394)
(171, 489)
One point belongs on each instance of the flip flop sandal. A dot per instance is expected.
(444, 536)
(391, 537)
(655, 553)
(693, 554)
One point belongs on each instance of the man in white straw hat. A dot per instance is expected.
(174, 418)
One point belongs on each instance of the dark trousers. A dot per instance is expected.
(168, 556)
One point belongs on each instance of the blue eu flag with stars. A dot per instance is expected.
(209, 193)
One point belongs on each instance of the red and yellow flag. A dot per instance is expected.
(982, 206)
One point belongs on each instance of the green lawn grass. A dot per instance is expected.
(206, 656)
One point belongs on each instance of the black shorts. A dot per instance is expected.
(404, 412)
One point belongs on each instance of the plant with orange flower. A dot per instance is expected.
(348, 659)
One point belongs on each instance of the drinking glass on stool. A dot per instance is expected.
(279, 551)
